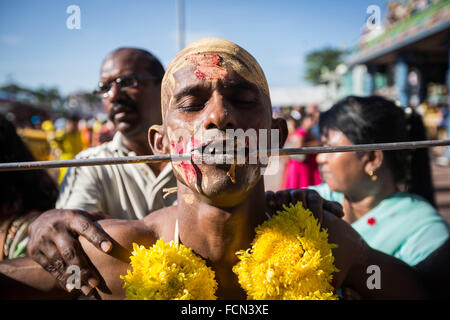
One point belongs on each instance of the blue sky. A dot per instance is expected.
(37, 49)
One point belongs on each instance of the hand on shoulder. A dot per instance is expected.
(112, 265)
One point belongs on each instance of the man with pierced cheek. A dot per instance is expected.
(213, 91)
(214, 84)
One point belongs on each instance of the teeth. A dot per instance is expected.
(212, 147)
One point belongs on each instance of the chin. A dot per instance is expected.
(226, 196)
(218, 185)
(130, 129)
(228, 190)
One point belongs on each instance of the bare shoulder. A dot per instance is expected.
(125, 232)
(162, 222)
(112, 265)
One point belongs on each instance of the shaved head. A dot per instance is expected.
(210, 57)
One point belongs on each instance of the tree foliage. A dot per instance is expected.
(44, 97)
(320, 61)
(52, 99)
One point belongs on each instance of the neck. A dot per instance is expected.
(217, 233)
(139, 145)
(368, 196)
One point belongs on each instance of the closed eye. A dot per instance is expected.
(243, 97)
(191, 108)
(190, 104)
(243, 103)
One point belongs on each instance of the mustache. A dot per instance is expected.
(119, 106)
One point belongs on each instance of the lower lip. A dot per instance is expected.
(122, 116)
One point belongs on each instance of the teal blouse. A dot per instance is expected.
(403, 225)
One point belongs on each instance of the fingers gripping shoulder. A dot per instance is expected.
(116, 262)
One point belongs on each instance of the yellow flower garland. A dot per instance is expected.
(168, 271)
(290, 258)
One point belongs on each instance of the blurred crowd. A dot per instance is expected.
(63, 137)
(302, 171)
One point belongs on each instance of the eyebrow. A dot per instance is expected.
(244, 85)
(188, 91)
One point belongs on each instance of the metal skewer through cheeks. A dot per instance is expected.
(35, 165)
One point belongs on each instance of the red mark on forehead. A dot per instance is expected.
(208, 66)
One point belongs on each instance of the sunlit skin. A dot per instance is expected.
(349, 173)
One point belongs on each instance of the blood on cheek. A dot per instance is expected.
(181, 147)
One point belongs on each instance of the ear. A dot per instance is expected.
(374, 161)
(157, 140)
(281, 125)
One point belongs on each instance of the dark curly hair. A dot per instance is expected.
(22, 191)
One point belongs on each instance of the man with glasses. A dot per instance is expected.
(130, 88)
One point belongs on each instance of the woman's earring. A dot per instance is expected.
(373, 176)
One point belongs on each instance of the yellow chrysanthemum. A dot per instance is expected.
(168, 271)
(290, 259)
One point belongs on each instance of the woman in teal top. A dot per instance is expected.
(403, 225)
(371, 185)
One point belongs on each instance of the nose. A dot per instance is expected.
(114, 93)
(220, 113)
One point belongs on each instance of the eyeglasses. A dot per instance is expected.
(122, 83)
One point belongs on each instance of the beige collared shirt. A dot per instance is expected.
(124, 191)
